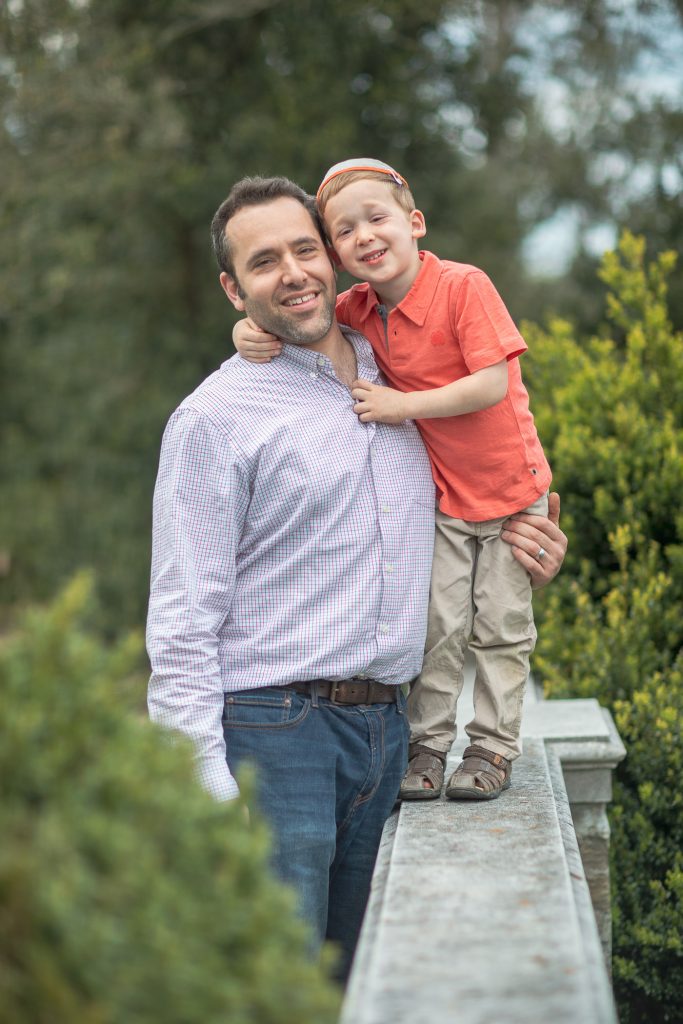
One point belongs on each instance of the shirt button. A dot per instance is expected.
(385, 508)
(389, 566)
(384, 628)
(314, 375)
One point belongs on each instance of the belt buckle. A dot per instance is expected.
(334, 687)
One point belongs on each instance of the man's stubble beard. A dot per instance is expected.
(286, 327)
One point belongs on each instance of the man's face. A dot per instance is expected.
(283, 276)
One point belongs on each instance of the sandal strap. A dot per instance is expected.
(489, 769)
(427, 764)
(497, 760)
(421, 764)
(419, 748)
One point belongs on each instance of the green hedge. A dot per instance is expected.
(610, 412)
(127, 895)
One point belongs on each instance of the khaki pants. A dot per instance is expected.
(481, 598)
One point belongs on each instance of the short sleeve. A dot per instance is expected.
(482, 324)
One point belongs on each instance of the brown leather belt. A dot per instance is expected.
(349, 691)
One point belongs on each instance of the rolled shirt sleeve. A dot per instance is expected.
(200, 503)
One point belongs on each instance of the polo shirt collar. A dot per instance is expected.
(415, 305)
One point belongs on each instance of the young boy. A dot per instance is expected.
(446, 343)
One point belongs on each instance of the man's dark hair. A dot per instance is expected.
(254, 192)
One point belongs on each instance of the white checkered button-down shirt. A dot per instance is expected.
(291, 542)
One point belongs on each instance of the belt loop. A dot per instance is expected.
(314, 693)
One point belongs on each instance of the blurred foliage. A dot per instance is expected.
(611, 415)
(647, 829)
(124, 125)
(127, 893)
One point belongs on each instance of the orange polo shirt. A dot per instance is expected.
(452, 323)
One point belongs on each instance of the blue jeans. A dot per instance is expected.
(327, 778)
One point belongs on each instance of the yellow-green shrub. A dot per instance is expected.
(127, 895)
(610, 412)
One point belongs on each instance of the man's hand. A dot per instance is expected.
(377, 404)
(532, 535)
(253, 344)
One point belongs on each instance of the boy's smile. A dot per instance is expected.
(374, 257)
(375, 238)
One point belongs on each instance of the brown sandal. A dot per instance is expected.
(481, 775)
(424, 763)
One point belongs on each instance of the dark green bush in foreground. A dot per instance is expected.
(610, 413)
(127, 896)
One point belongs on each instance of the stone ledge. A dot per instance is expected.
(585, 739)
(481, 911)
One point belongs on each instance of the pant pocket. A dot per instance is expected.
(265, 709)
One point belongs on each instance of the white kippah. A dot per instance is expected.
(361, 163)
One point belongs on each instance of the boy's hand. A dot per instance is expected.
(253, 344)
(377, 404)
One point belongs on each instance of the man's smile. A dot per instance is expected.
(300, 300)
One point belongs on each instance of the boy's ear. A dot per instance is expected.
(334, 259)
(232, 290)
(418, 224)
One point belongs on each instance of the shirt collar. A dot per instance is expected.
(315, 362)
(365, 357)
(416, 303)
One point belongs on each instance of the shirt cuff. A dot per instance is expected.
(217, 780)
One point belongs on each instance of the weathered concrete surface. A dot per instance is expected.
(592, 938)
(585, 739)
(592, 833)
(475, 916)
(583, 735)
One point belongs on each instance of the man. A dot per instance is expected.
(291, 564)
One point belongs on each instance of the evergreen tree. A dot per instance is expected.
(124, 126)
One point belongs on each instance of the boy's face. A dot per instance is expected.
(373, 235)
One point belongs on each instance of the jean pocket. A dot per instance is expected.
(266, 709)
